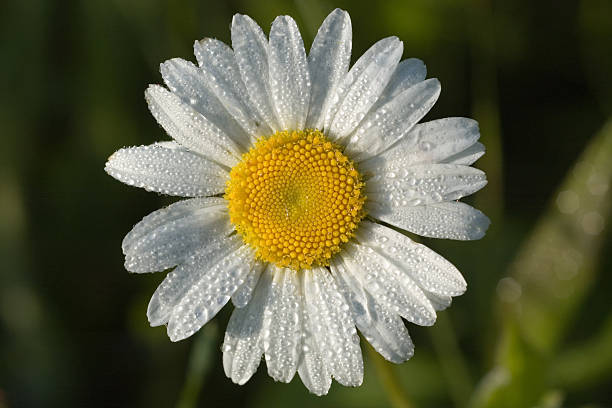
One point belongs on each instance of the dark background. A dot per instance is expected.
(534, 327)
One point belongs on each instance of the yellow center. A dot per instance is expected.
(295, 198)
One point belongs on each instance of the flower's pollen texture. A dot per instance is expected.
(295, 198)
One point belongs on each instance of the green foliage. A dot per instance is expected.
(551, 274)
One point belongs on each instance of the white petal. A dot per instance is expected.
(397, 185)
(222, 75)
(167, 236)
(251, 51)
(429, 270)
(243, 295)
(282, 325)
(437, 141)
(190, 128)
(439, 302)
(289, 76)
(188, 82)
(313, 369)
(452, 220)
(409, 72)
(243, 343)
(167, 169)
(209, 294)
(382, 328)
(388, 284)
(328, 62)
(390, 122)
(333, 325)
(178, 282)
(362, 86)
(468, 156)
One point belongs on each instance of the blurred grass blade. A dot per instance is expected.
(549, 278)
(558, 262)
(587, 364)
(200, 361)
(517, 380)
(394, 390)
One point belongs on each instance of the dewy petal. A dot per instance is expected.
(209, 294)
(397, 185)
(251, 51)
(468, 156)
(243, 343)
(168, 236)
(439, 302)
(178, 282)
(328, 62)
(289, 76)
(390, 122)
(361, 87)
(190, 128)
(282, 325)
(188, 82)
(168, 169)
(383, 329)
(438, 141)
(243, 295)
(333, 326)
(222, 75)
(409, 72)
(313, 369)
(429, 270)
(451, 220)
(388, 284)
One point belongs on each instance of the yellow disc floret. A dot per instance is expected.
(295, 198)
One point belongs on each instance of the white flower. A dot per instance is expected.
(295, 165)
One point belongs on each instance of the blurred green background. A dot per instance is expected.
(534, 328)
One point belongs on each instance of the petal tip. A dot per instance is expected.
(108, 166)
(241, 19)
(434, 82)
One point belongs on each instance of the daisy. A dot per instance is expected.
(300, 172)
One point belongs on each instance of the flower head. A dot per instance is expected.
(295, 198)
(296, 167)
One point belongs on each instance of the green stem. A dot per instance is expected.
(200, 360)
(395, 392)
(451, 360)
